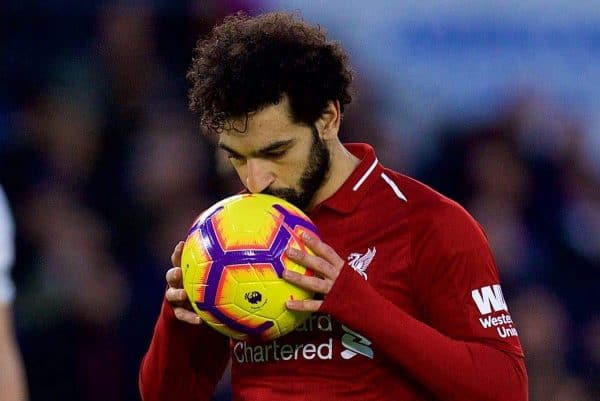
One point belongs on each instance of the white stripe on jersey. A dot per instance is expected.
(392, 184)
(365, 175)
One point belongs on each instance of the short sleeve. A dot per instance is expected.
(458, 283)
(7, 250)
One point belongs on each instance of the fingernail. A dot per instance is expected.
(293, 252)
(305, 236)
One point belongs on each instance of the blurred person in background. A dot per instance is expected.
(90, 86)
(432, 319)
(522, 174)
(544, 331)
(12, 375)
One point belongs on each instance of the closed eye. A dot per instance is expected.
(274, 154)
(234, 156)
(231, 154)
(276, 150)
(273, 151)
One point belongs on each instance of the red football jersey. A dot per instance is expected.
(417, 312)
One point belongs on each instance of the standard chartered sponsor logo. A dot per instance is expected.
(355, 344)
(277, 350)
(317, 322)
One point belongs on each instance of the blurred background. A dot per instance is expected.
(495, 105)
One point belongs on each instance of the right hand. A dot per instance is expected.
(175, 294)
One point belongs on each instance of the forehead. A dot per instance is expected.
(271, 123)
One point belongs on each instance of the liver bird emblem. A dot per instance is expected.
(359, 262)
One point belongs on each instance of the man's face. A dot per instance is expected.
(276, 156)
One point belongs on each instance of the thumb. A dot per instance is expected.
(176, 255)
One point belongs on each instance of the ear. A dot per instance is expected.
(329, 122)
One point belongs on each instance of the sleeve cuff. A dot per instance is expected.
(345, 300)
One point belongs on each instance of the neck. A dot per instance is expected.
(342, 164)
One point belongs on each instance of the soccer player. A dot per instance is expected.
(12, 377)
(409, 304)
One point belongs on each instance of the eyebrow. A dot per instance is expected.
(261, 152)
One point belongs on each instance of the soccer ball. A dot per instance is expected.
(233, 260)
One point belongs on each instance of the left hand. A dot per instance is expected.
(325, 263)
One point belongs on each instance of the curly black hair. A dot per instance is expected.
(247, 63)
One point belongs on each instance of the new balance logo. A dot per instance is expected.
(355, 344)
(359, 262)
(489, 298)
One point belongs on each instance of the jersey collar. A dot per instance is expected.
(348, 196)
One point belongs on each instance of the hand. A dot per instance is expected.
(326, 264)
(175, 294)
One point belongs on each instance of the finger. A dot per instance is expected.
(314, 284)
(315, 263)
(322, 249)
(176, 255)
(174, 277)
(308, 305)
(175, 295)
(187, 316)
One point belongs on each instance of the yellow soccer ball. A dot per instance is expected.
(233, 260)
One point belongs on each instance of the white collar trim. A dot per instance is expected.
(394, 187)
(365, 175)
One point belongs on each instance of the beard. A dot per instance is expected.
(312, 177)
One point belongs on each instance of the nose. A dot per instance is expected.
(259, 176)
